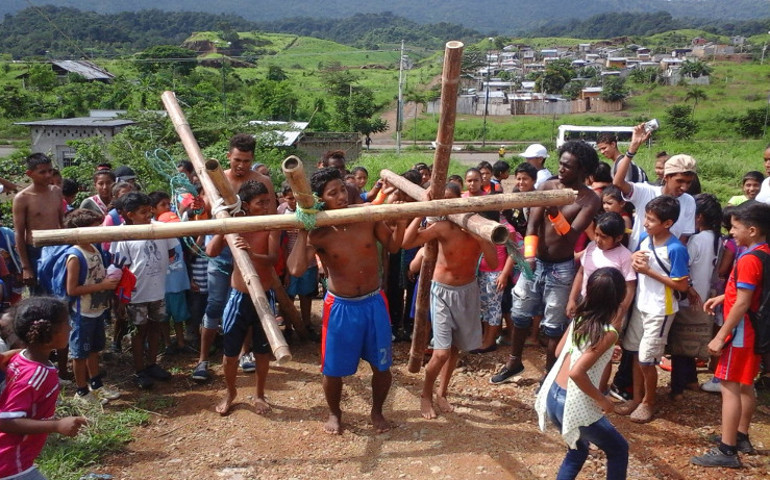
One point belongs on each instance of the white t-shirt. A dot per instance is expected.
(542, 176)
(652, 296)
(641, 196)
(764, 192)
(148, 261)
(700, 247)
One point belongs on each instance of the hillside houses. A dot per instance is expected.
(507, 81)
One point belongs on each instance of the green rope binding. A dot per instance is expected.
(521, 262)
(306, 216)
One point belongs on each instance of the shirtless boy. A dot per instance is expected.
(32, 211)
(454, 301)
(550, 244)
(355, 321)
(240, 314)
(241, 156)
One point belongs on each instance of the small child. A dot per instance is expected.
(177, 287)
(148, 260)
(613, 201)
(734, 342)
(160, 202)
(501, 170)
(457, 180)
(240, 315)
(89, 303)
(661, 264)
(570, 395)
(28, 403)
(752, 183)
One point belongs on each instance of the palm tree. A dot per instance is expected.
(695, 94)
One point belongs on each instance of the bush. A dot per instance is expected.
(679, 119)
(752, 123)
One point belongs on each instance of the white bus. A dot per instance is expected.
(591, 133)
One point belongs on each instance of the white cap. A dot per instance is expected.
(535, 151)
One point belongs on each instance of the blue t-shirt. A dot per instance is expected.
(653, 296)
(224, 260)
(177, 279)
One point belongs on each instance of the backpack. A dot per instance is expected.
(760, 319)
(52, 268)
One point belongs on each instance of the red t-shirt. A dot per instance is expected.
(31, 392)
(749, 276)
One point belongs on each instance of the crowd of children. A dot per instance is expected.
(640, 265)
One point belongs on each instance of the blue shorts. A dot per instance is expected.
(239, 315)
(305, 285)
(355, 328)
(87, 335)
(546, 294)
(176, 306)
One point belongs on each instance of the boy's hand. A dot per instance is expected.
(715, 346)
(241, 243)
(502, 282)
(110, 283)
(712, 303)
(639, 261)
(69, 426)
(571, 307)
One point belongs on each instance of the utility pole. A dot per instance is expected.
(486, 107)
(400, 109)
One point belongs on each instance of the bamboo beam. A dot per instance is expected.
(476, 224)
(450, 79)
(216, 186)
(75, 236)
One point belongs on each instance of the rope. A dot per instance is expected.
(521, 262)
(306, 216)
(233, 210)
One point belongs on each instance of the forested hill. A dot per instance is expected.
(502, 16)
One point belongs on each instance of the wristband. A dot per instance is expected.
(630, 154)
(530, 246)
(560, 224)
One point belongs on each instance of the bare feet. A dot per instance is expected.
(224, 407)
(426, 408)
(444, 405)
(333, 425)
(261, 406)
(380, 424)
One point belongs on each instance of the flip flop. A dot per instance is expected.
(642, 414)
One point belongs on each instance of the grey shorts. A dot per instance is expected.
(455, 316)
(647, 334)
(141, 313)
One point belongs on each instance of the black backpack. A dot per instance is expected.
(760, 319)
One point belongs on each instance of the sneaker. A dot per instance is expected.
(715, 458)
(201, 372)
(143, 380)
(158, 373)
(248, 365)
(742, 445)
(712, 386)
(106, 394)
(87, 399)
(619, 394)
(505, 375)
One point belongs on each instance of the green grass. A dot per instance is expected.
(65, 458)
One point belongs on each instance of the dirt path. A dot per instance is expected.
(492, 433)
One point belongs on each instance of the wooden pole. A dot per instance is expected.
(294, 171)
(217, 187)
(76, 236)
(476, 224)
(450, 79)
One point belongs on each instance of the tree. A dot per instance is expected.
(356, 113)
(275, 100)
(679, 119)
(276, 74)
(752, 123)
(695, 69)
(473, 59)
(176, 60)
(646, 75)
(42, 77)
(614, 89)
(557, 74)
(695, 94)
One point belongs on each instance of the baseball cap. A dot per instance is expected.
(168, 217)
(535, 151)
(679, 164)
(124, 173)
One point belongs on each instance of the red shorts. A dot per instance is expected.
(738, 364)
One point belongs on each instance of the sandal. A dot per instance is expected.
(642, 414)
(626, 408)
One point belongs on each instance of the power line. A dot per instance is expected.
(53, 24)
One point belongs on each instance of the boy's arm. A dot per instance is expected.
(577, 284)
(641, 265)
(391, 239)
(216, 245)
(617, 322)
(297, 261)
(740, 308)
(19, 210)
(489, 251)
(505, 273)
(74, 289)
(639, 136)
(415, 236)
(67, 426)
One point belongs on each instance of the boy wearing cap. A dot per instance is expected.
(678, 174)
(535, 155)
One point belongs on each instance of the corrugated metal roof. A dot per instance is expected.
(289, 132)
(83, 68)
(79, 122)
